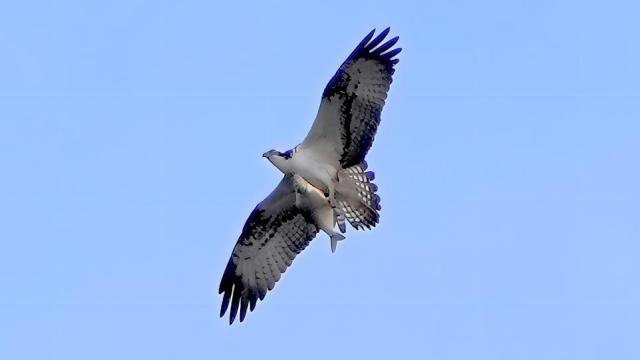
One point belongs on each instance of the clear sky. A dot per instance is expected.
(507, 160)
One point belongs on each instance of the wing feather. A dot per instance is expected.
(275, 232)
(352, 102)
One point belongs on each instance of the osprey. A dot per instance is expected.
(325, 179)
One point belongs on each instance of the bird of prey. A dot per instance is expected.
(325, 179)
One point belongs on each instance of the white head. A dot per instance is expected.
(280, 159)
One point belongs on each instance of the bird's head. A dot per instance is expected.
(279, 159)
(271, 153)
(277, 154)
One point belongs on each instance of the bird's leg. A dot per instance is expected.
(328, 187)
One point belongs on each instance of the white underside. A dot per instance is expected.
(310, 198)
(315, 179)
(318, 171)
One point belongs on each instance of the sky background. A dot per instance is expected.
(507, 161)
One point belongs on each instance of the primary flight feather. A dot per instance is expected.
(325, 181)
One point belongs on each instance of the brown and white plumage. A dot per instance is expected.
(352, 102)
(325, 181)
(275, 232)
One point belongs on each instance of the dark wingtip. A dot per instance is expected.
(226, 286)
(392, 53)
(235, 303)
(225, 304)
(386, 46)
(244, 305)
(378, 39)
(366, 49)
(366, 40)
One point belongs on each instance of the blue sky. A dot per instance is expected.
(507, 161)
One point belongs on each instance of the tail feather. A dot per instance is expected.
(356, 197)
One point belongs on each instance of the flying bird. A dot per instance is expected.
(325, 182)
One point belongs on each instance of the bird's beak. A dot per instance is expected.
(265, 154)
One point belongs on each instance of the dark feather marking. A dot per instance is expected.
(390, 54)
(378, 39)
(235, 302)
(244, 305)
(346, 120)
(360, 109)
(385, 46)
(256, 263)
(225, 302)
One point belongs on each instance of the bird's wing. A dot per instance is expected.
(275, 232)
(351, 104)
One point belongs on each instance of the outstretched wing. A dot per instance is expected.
(275, 232)
(351, 104)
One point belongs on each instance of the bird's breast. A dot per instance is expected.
(314, 171)
(306, 187)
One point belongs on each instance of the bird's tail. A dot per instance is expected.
(356, 197)
(334, 241)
